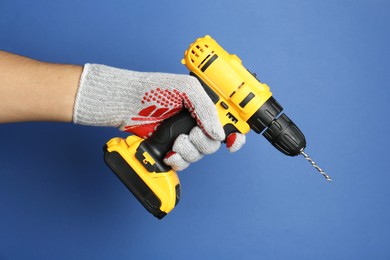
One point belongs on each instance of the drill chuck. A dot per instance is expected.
(265, 115)
(280, 131)
(285, 136)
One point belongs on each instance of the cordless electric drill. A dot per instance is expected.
(242, 102)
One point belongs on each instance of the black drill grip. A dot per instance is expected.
(161, 142)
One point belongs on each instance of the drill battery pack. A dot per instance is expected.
(158, 192)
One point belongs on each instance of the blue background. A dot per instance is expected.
(327, 63)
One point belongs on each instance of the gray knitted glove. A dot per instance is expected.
(138, 102)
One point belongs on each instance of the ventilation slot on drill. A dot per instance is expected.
(201, 48)
(200, 55)
(195, 54)
(204, 60)
(209, 62)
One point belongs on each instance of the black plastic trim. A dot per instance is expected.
(208, 63)
(246, 100)
(224, 105)
(229, 129)
(177, 188)
(265, 115)
(210, 92)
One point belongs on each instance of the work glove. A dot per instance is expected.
(138, 102)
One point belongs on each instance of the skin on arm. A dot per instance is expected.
(32, 90)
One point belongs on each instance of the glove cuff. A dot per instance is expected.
(105, 96)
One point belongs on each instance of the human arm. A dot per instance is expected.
(100, 95)
(32, 90)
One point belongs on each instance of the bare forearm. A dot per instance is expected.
(32, 90)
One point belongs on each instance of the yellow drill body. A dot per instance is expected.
(229, 79)
(243, 103)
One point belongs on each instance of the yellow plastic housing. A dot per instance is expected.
(229, 79)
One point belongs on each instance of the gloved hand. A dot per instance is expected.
(138, 102)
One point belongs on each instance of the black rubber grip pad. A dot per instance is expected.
(163, 138)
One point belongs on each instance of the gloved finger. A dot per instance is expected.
(176, 162)
(203, 109)
(235, 141)
(186, 149)
(202, 142)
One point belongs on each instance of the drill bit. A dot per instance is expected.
(316, 166)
